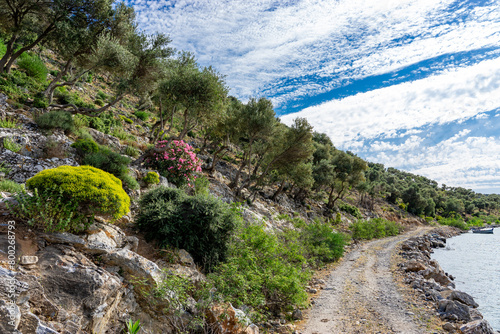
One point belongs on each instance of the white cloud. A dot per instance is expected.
(453, 96)
(256, 46)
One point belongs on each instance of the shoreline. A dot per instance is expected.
(436, 288)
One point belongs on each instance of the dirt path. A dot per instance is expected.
(360, 296)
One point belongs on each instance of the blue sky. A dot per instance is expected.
(414, 85)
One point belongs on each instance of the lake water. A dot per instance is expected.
(474, 261)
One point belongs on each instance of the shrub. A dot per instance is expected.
(126, 120)
(9, 123)
(178, 163)
(33, 66)
(350, 209)
(132, 151)
(54, 149)
(49, 210)
(142, 115)
(261, 272)
(375, 228)
(107, 160)
(454, 221)
(11, 186)
(85, 146)
(11, 145)
(151, 178)
(199, 224)
(129, 181)
(56, 119)
(99, 102)
(122, 134)
(101, 95)
(93, 190)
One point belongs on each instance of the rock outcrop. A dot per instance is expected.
(427, 276)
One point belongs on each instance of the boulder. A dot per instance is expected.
(64, 238)
(454, 310)
(103, 237)
(133, 265)
(414, 265)
(438, 275)
(225, 319)
(477, 327)
(464, 298)
(104, 139)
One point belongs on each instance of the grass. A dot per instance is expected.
(11, 186)
(11, 145)
(9, 123)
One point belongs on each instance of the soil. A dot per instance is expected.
(364, 294)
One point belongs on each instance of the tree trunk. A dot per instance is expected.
(28, 47)
(49, 91)
(278, 192)
(215, 159)
(8, 52)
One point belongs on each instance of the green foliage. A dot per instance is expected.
(122, 134)
(105, 122)
(199, 224)
(101, 95)
(19, 86)
(126, 120)
(9, 123)
(108, 160)
(350, 209)
(129, 181)
(133, 327)
(132, 151)
(99, 102)
(3, 47)
(85, 146)
(49, 210)
(453, 221)
(65, 97)
(151, 178)
(201, 185)
(40, 102)
(173, 294)
(142, 115)
(56, 119)
(262, 272)
(374, 228)
(11, 145)
(11, 186)
(91, 189)
(33, 66)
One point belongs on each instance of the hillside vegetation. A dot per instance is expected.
(140, 113)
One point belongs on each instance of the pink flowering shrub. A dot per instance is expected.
(178, 163)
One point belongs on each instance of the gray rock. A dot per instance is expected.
(10, 317)
(185, 258)
(105, 139)
(297, 314)
(464, 298)
(64, 238)
(103, 238)
(449, 327)
(133, 265)
(454, 310)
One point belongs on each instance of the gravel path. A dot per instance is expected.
(360, 296)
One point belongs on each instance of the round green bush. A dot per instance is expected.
(85, 146)
(93, 189)
(152, 178)
(56, 119)
(202, 225)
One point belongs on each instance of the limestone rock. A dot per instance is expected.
(133, 264)
(104, 139)
(64, 238)
(103, 237)
(185, 258)
(297, 314)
